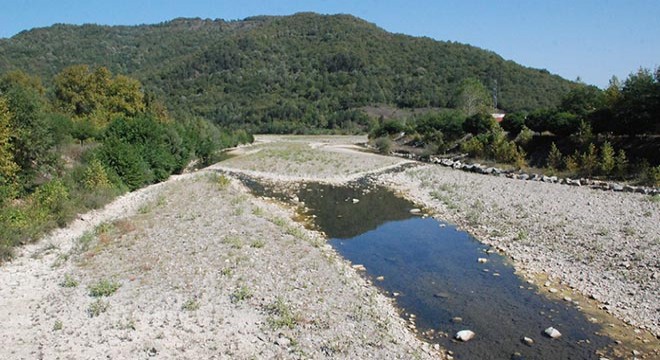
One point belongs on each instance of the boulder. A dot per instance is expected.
(465, 335)
(552, 333)
(523, 176)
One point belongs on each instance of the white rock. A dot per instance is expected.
(529, 341)
(355, 201)
(415, 211)
(464, 335)
(552, 332)
(482, 260)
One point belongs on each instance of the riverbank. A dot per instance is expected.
(194, 268)
(602, 244)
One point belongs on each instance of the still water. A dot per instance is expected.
(434, 270)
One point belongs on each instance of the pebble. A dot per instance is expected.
(566, 298)
(457, 319)
(528, 341)
(553, 290)
(552, 332)
(464, 335)
(283, 341)
(380, 278)
(482, 260)
(359, 267)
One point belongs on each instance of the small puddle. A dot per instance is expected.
(434, 270)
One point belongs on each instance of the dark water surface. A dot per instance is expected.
(434, 269)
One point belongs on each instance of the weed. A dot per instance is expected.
(240, 294)
(69, 281)
(282, 316)
(522, 235)
(144, 209)
(220, 180)
(258, 244)
(161, 200)
(58, 325)
(279, 221)
(226, 271)
(103, 228)
(628, 231)
(655, 198)
(257, 211)
(190, 305)
(84, 241)
(128, 325)
(60, 260)
(97, 308)
(234, 241)
(103, 287)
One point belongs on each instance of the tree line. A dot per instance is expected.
(85, 139)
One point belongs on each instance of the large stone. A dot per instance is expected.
(552, 332)
(465, 335)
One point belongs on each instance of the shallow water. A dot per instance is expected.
(434, 269)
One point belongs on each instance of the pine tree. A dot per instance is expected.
(555, 158)
(607, 161)
(589, 160)
(621, 163)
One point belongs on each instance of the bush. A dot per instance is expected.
(473, 147)
(384, 144)
(555, 158)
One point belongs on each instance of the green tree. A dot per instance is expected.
(589, 160)
(621, 164)
(555, 158)
(472, 97)
(607, 158)
(8, 167)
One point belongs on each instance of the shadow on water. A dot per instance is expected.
(433, 267)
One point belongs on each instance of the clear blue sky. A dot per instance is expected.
(593, 39)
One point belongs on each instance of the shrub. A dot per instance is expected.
(103, 287)
(474, 147)
(384, 145)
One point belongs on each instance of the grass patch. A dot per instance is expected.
(190, 305)
(69, 281)
(220, 180)
(97, 308)
(234, 241)
(58, 325)
(258, 244)
(226, 272)
(103, 287)
(281, 315)
(240, 294)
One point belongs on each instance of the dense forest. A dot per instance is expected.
(300, 73)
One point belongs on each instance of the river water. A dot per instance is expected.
(432, 270)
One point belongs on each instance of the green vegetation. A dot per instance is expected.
(97, 308)
(87, 138)
(304, 73)
(103, 287)
(281, 315)
(190, 305)
(240, 294)
(69, 281)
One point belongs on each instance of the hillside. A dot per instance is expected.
(279, 74)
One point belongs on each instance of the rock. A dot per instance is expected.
(359, 267)
(546, 179)
(566, 298)
(283, 341)
(482, 260)
(553, 290)
(465, 335)
(441, 295)
(523, 176)
(487, 170)
(552, 333)
(457, 319)
(528, 341)
(616, 187)
(380, 278)
(355, 201)
(436, 347)
(573, 182)
(415, 211)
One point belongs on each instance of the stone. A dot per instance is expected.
(528, 341)
(616, 187)
(523, 176)
(355, 201)
(552, 333)
(359, 267)
(380, 278)
(553, 290)
(482, 260)
(457, 319)
(465, 335)
(283, 341)
(415, 211)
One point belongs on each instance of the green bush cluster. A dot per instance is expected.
(58, 158)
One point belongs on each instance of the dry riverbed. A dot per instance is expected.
(197, 267)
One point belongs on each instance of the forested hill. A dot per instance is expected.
(279, 74)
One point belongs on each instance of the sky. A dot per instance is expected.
(589, 39)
